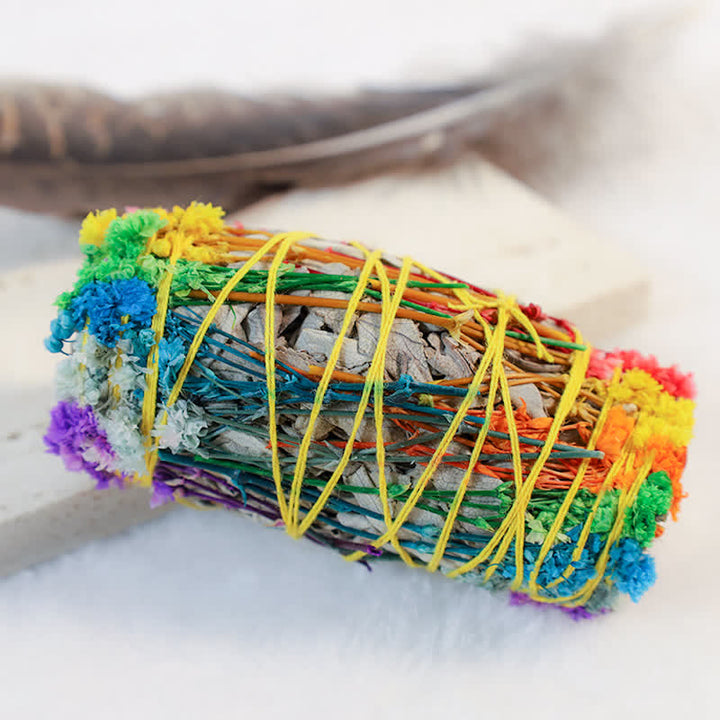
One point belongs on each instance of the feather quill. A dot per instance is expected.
(68, 150)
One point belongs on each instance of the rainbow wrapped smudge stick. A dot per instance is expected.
(368, 403)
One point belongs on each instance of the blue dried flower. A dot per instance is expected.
(171, 355)
(53, 345)
(103, 305)
(61, 328)
(142, 341)
(633, 570)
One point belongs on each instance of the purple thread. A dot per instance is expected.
(191, 488)
(162, 494)
(576, 613)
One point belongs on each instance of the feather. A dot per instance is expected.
(67, 150)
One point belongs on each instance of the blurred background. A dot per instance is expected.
(204, 613)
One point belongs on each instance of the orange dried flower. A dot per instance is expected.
(615, 433)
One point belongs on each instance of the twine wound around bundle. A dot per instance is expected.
(470, 474)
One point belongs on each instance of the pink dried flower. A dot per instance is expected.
(677, 383)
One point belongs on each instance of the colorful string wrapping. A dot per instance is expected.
(367, 403)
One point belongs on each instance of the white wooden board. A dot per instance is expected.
(470, 220)
(476, 222)
(44, 509)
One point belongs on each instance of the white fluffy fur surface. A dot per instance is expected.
(206, 615)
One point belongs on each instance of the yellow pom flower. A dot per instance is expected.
(198, 222)
(95, 225)
(201, 219)
(160, 247)
(660, 413)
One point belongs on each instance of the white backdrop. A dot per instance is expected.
(143, 45)
(206, 615)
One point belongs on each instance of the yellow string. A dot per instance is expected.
(556, 527)
(287, 241)
(205, 325)
(607, 484)
(627, 498)
(513, 525)
(517, 476)
(443, 444)
(379, 399)
(444, 536)
(578, 370)
(215, 307)
(626, 461)
(585, 533)
(321, 390)
(148, 411)
(514, 522)
(147, 419)
(516, 515)
(375, 377)
(476, 303)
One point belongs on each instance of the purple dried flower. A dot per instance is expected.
(75, 436)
